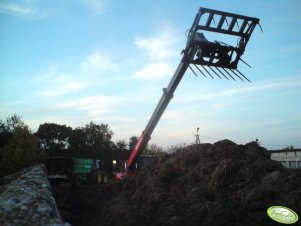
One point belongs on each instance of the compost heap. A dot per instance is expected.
(206, 184)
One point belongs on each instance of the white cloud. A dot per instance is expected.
(93, 105)
(161, 46)
(60, 89)
(23, 10)
(97, 61)
(284, 84)
(154, 70)
(28, 9)
(55, 83)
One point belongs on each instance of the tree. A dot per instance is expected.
(98, 136)
(78, 142)
(153, 149)
(132, 142)
(54, 138)
(13, 122)
(8, 127)
(121, 146)
(20, 152)
(92, 141)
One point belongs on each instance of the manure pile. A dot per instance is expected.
(206, 184)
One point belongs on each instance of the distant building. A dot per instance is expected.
(146, 160)
(288, 158)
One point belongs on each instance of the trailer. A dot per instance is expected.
(75, 171)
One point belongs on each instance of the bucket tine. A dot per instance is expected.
(224, 74)
(193, 71)
(207, 72)
(245, 63)
(229, 74)
(215, 72)
(200, 71)
(243, 75)
(236, 74)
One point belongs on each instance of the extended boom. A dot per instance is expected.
(216, 57)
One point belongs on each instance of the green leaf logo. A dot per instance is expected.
(282, 214)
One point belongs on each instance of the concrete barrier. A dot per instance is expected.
(27, 200)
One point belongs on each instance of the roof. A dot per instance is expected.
(285, 150)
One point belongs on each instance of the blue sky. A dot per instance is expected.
(73, 61)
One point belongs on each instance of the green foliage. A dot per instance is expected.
(150, 149)
(132, 142)
(54, 138)
(121, 146)
(20, 152)
(174, 148)
(11, 124)
(8, 127)
(153, 149)
(19, 148)
(92, 140)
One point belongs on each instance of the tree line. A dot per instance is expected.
(21, 148)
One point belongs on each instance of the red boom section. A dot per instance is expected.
(135, 151)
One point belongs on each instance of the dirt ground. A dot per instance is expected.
(207, 184)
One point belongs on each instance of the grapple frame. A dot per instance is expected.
(221, 59)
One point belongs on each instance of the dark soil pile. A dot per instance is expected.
(207, 184)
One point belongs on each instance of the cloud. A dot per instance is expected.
(55, 83)
(154, 70)
(93, 105)
(161, 46)
(10, 8)
(281, 84)
(97, 61)
(29, 9)
(62, 88)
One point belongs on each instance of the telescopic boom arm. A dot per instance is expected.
(161, 106)
(199, 51)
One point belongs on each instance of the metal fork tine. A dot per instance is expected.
(200, 71)
(236, 74)
(207, 72)
(215, 72)
(245, 63)
(193, 71)
(229, 74)
(222, 73)
(243, 75)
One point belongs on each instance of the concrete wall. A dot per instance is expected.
(26, 199)
(289, 158)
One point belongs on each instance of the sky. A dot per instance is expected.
(75, 61)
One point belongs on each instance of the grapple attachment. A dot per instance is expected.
(216, 57)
